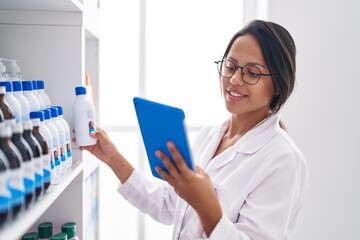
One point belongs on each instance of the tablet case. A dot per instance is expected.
(158, 124)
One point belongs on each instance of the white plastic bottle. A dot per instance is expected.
(29, 94)
(13, 70)
(48, 156)
(61, 131)
(12, 101)
(56, 146)
(3, 74)
(24, 103)
(43, 94)
(67, 135)
(84, 118)
(37, 95)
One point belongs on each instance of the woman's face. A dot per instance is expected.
(241, 98)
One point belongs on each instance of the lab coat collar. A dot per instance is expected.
(257, 137)
(248, 144)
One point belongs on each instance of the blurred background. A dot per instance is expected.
(165, 51)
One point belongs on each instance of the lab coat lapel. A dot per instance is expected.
(249, 144)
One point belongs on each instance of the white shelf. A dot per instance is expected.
(42, 5)
(52, 13)
(16, 228)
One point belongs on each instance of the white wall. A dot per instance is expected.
(323, 115)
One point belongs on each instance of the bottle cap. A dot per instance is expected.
(30, 236)
(37, 114)
(7, 85)
(60, 110)
(5, 130)
(27, 85)
(80, 90)
(12, 66)
(59, 236)
(27, 125)
(47, 113)
(40, 84)
(2, 89)
(69, 228)
(17, 87)
(45, 229)
(54, 112)
(35, 85)
(17, 128)
(2, 66)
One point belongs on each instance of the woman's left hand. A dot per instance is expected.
(195, 187)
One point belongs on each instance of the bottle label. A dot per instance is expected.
(68, 150)
(5, 195)
(29, 176)
(57, 159)
(16, 187)
(62, 153)
(38, 164)
(47, 167)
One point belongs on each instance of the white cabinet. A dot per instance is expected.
(57, 41)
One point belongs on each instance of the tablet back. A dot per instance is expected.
(158, 124)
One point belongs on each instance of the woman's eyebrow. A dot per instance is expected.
(249, 63)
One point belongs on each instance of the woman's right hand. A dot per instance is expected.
(104, 149)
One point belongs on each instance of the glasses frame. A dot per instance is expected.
(220, 64)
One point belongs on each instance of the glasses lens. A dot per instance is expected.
(251, 74)
(226, 68)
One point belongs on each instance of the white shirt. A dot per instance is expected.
(260, 182)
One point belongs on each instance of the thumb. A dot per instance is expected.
(99, 135)
(199, 170)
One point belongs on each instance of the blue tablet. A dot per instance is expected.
(158, 124)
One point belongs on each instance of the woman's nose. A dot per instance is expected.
(236, 78)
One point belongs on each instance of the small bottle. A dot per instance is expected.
(84, 118)
(5, 195)
(67, 136)
(24, 103)
(12, 101)
(16, 181)
(28, 92)
(37, 95)
(61, 130)
(6, 110)
(27, 163)
(2, 119)
(43, 94)
(59, 236)
(37, 153)
(38, 134)
(56, 146)
(3, 74)
(30, 236)
(13, 70)
(70, 229)
(45, 230)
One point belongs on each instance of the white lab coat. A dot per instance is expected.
(260, 182)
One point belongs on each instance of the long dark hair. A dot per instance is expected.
(279, 51)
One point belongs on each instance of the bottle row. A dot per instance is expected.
(35, 150)
(45, 231)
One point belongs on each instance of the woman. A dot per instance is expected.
(251, 178)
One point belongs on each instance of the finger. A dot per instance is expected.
(164, 175)
(102, 130)
(179, 160)
(171, 168)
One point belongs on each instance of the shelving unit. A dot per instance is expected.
(57, 41)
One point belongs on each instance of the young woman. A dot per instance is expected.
(250, 177)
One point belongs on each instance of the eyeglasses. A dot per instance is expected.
(250, 74)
